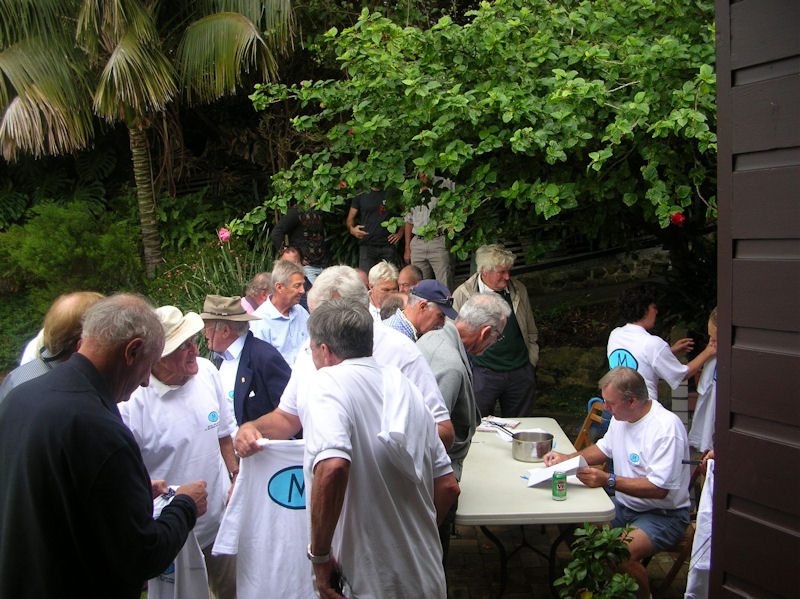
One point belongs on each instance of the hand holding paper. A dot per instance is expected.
(539, 475)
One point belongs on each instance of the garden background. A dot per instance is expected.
(576, 132)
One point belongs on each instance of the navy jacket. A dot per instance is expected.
(260, 380)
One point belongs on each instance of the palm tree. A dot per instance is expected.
(64, 61)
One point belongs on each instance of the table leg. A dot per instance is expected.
(552, 559)
(503, 559)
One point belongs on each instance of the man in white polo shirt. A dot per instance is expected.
(648, 445)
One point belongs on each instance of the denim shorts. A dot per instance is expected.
(664, 528)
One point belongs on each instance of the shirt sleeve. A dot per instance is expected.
(227, 420)
(121, 522)
(668, 367)
(329, 430)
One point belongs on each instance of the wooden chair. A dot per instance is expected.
(595, 415)
(682, 551)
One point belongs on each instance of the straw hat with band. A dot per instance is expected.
(219, 307)
(177, 327)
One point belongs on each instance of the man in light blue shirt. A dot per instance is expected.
(283, 321)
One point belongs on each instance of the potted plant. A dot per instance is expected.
(592, 573)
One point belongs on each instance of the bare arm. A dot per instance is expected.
(228, 456)
(275, 425)
(356, 231)
(592, 454)
(445, 492)
(407, 231)
(635, 487)
(327, 497)
(695, 365)
(447, 433)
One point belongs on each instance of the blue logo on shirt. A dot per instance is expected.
(213, 417)
(287, 488)
(170, 569)
(622, 357)
(634, 457)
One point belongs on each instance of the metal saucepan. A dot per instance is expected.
(530, 447)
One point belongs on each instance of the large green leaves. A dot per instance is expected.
(535, 108)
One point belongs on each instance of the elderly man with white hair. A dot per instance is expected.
(507, 371)
(182, 423)
(382, 283)
(389, 348)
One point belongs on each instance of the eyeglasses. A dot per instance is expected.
(499, 337)
(191, 341)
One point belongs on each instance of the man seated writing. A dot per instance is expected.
(647, 443)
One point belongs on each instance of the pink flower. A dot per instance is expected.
(224, 235)
(342, 184)
(677, 219)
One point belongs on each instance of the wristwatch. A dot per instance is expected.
(611, 483)
(317, 559)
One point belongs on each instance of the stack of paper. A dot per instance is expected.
(568, 467)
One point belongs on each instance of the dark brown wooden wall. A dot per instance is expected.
(756, 540)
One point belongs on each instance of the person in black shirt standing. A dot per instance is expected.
(75, 498)
(374, 241)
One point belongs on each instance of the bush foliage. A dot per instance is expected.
(582, 111)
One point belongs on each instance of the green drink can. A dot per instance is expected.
(559, 486)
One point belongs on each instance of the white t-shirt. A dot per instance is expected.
(701, 435)
(651, 356)
(186, 576)
(386, 538)
(651, 448)
(267, 527)
(178, 431)
(389, 348)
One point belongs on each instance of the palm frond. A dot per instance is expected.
(46, 95)
(32, 18)
(42, 129)
(137, 77)
(216, 50)
(274, 18)
(102, 24)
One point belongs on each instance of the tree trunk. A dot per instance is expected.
(143, 177)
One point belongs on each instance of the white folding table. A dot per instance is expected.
(494, 493)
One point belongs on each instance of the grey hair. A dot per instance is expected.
(413, 300)
(341, 281)
(627, 381)
(283, 270)
(484, 309)
(393, 303)
(415, 270)
(261, 282)
(383, 270)
(116, 320)
(345, 327)
(240, 327)
(489, 257)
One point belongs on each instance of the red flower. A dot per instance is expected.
(677, 219)
(350, 131)
(224, 235)
(342, 185)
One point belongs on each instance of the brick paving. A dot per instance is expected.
(473, 568)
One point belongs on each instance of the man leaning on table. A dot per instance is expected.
(647, 443)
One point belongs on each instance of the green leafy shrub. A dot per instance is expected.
(213, 267)
(69, 247)
(596, 552)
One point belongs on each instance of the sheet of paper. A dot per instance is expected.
(568, 467)
(485, 425)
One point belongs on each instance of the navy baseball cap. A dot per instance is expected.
(433, 291)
